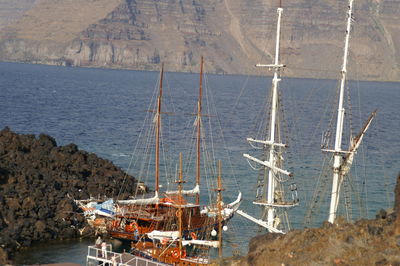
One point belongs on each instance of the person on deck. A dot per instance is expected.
(98, 242)
(104, 249)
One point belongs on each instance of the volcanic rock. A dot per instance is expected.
(365, 242)
(38, 182)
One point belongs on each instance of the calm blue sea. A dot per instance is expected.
(102, 111)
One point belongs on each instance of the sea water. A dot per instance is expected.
(102, 111)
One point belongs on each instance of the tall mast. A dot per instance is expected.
(219, 203)
(339, 125)
(273, 200)
(199, 130)
(158, 127)
(272, 157)
(180, 181)
(271, 164)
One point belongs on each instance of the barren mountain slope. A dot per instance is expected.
(141, 34)
(60, 20)
(11, 10)
(233, 35)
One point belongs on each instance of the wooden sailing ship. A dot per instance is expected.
(172, 247)
(138, 219)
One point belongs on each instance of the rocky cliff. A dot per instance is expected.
(38, 180)
(233, 35)
(11, 10)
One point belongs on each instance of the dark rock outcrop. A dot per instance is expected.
(38, 180)
(397, 210)
(365, 242)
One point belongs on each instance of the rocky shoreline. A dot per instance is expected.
(38, 182)
(364, 242)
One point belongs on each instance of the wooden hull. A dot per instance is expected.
(139, 221)
(168, 255)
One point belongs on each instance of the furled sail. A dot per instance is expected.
(355, 143)
(235, 204)
(192, 192)
(214, 244)
(161, 235)
(174, 235)
(153, 200)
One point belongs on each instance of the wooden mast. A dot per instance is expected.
(199, 130)
(179, 212)
(158, 128)
(219, 203)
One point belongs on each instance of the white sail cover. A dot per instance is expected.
(160, 235)
(174, 235)
(214, 244)
(194, 191)
(227, 210)
(235, 204)
(153, 200)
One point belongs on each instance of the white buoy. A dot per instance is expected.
(213, 232)
(225, 228)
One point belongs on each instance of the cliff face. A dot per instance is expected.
(11, 10)
(233, 35)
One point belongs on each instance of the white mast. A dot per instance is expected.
(336, 182)
(270, 202)
(272, 158)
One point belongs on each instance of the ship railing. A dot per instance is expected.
(95, 257)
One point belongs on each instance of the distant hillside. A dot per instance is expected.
(233, 35)
(12, 10)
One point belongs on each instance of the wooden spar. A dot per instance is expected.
(219, 203)
(158, 127)
(199, 130)
(180, 207)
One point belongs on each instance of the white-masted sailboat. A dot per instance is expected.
(272, 195)
(342, 158)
